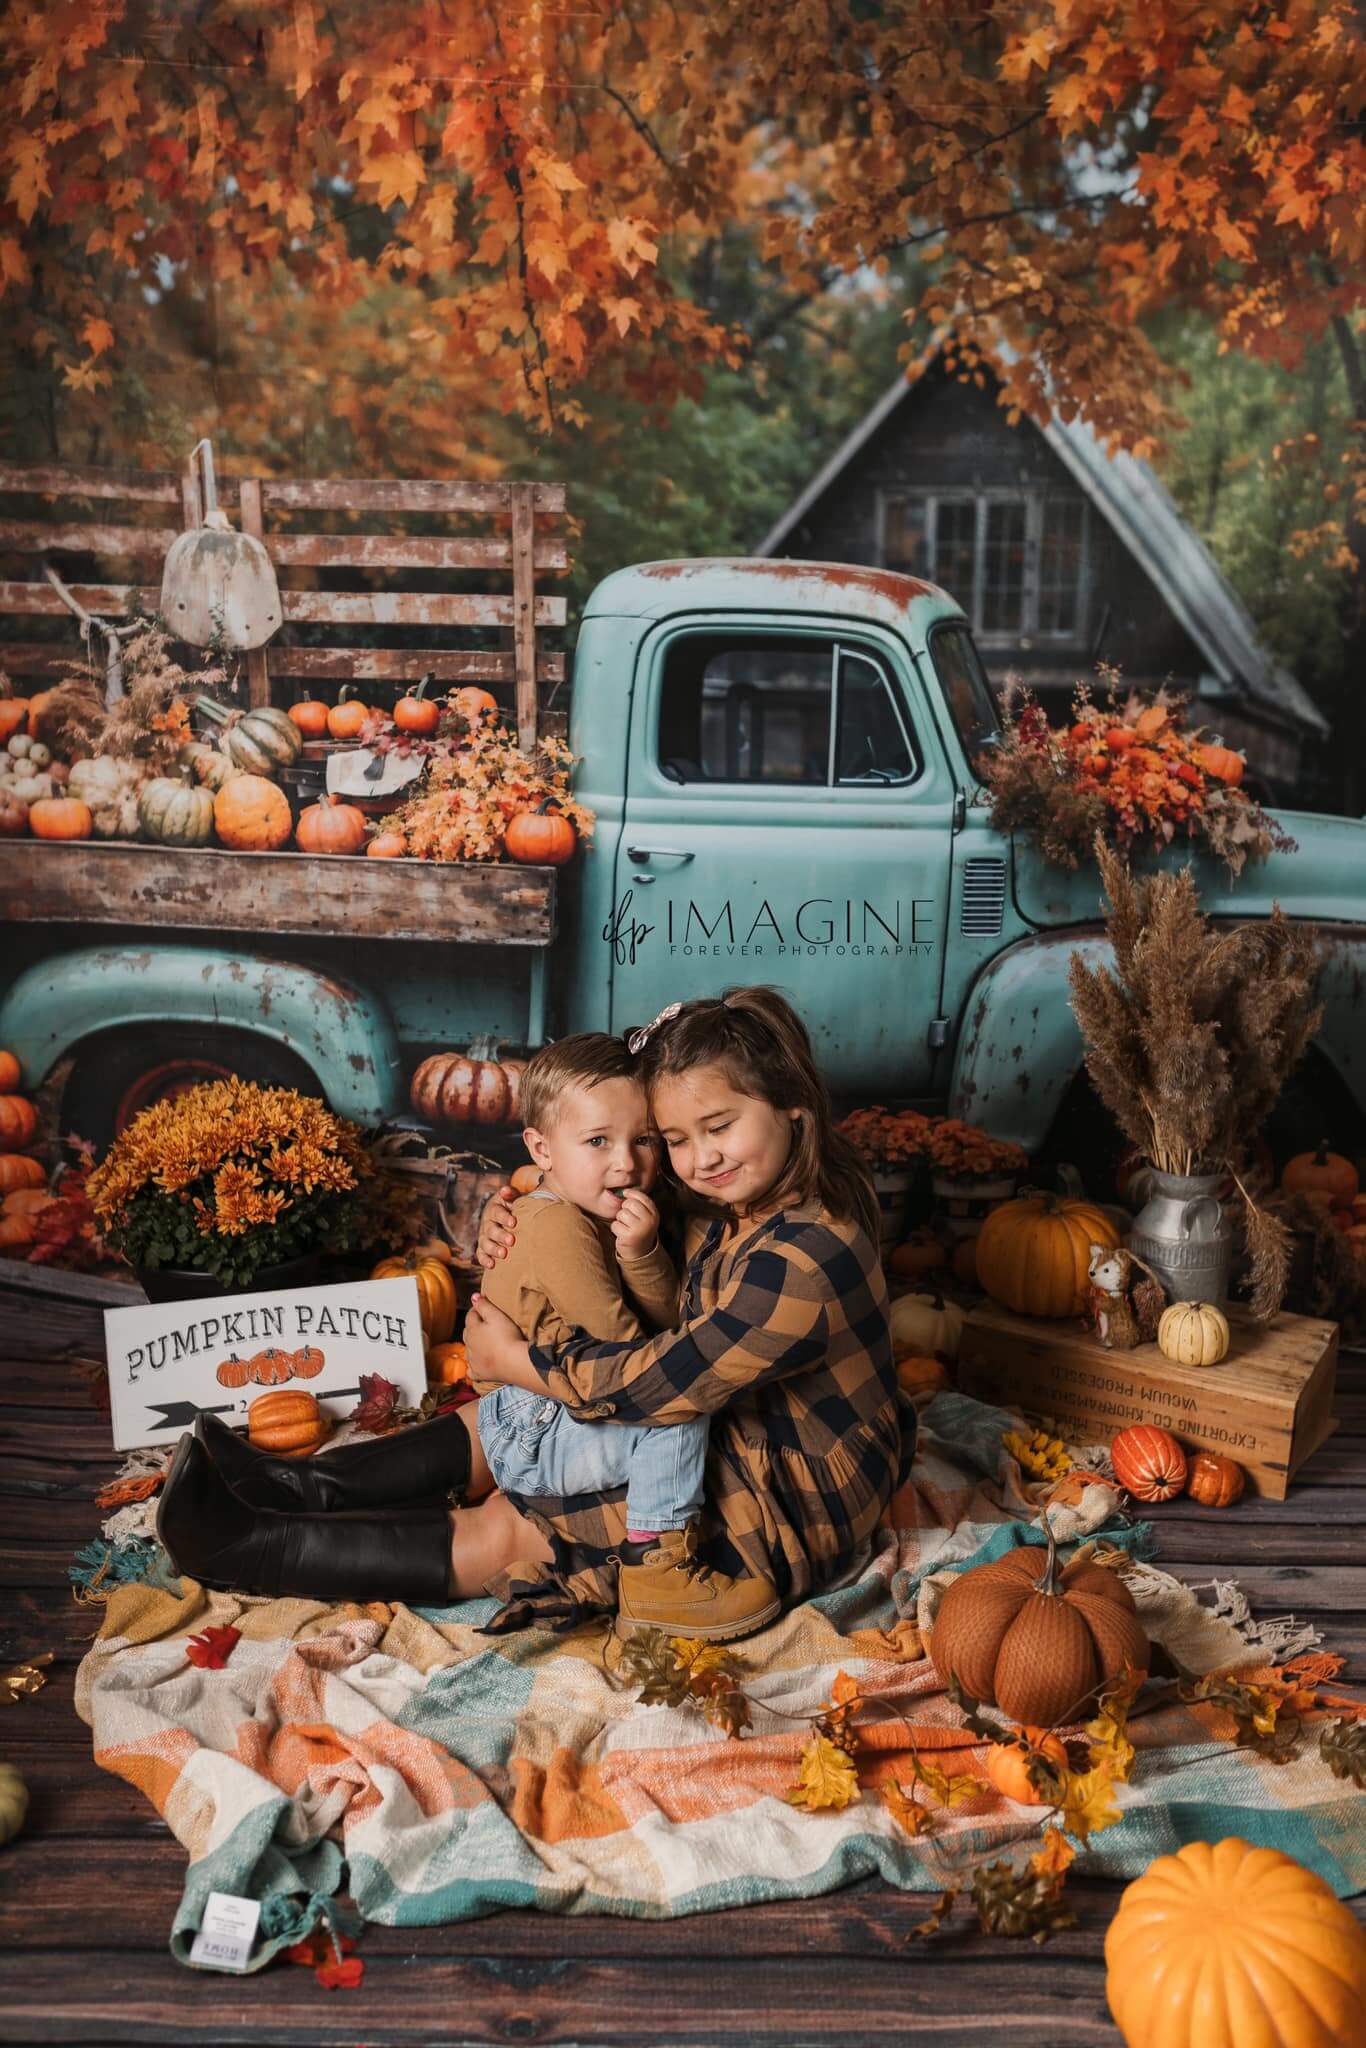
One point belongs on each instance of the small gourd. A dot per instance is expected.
(288, 1423)
(1214, 1480)
(13, 1803)
(1193, 1333)
(1008, 1763)
(1224, 1945)
(209, 765)
(175, 813)
(1149, 1463)
(447, 1365)
(921, 1378)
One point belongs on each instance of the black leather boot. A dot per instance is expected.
(415, 1467)
(213, 1535)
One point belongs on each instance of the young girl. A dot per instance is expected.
(784, 1338)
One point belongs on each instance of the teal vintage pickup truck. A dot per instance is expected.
(780, 758)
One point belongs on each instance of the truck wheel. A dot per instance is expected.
(119, 1073)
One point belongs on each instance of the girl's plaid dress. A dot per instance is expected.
(785, 1343)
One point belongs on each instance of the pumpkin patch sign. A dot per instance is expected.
(171, 1359)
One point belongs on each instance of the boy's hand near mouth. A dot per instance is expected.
(635, 1227)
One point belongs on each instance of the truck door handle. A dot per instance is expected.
(671, 852)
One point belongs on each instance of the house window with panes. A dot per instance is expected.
(1016, 561)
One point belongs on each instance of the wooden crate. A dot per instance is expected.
(1269, 1405)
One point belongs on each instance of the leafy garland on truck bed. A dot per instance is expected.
(1131, 770)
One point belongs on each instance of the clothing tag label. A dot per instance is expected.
(226, 1933)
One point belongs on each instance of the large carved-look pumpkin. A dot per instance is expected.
(1033, 1254)
(1034, 1641)
(1227, 1946)
(454, 1088)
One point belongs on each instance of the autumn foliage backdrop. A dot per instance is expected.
(443, 237)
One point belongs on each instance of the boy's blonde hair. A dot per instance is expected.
(582, 1060)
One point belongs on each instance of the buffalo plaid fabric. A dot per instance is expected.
(785, 1344)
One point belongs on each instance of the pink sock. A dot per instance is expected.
(642, 1535)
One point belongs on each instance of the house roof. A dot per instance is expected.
(1141, 511)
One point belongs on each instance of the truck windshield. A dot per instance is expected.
(967, 691)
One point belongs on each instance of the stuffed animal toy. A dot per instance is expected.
(1124, 1301)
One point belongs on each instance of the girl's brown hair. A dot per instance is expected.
(756, 1037)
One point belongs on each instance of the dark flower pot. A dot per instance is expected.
(181, 1283)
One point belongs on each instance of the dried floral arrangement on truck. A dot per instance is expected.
(1191, 1038)
(1132, 770)
(484, 799)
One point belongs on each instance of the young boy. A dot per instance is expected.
(587, 1258)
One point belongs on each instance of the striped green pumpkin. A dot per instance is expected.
(259, 742)
(176, 813)
(206, 764)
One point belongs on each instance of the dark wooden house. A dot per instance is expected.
(1062, 556)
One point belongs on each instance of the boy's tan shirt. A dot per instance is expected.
(562, 1274)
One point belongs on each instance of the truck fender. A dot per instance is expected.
(342, 1033)
(1019, 1047)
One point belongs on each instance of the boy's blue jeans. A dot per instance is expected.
(538, 1446)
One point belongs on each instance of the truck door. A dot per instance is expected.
(789, 820)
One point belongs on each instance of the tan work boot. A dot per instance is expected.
(663, 1585)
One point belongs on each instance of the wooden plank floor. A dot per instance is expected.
(87, 1893)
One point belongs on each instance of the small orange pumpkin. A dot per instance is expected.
(289, 1423)
(918, 1255)
(347, 721)
(472, 704)
(447, 1365)
(1215, 1481)
(16, 1233)
(60, 817)
(13, 717)
(234, 1372)
(1323, 1177)
(36, 707)
(420, 715)
(331, 827)
(921, 1378)
(18, 1122)
(541, 838)
(1222, 763)
(10, 1073)
(252, 815)
(18, 1172)
(387, 846)
(525, 1180)
(1120, 738)
(1149, 1463)
(311, 718)
(13, 816)
(1007, 1765)
(26, 1202)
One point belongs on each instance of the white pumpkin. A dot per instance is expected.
(925, 1325)
(1193, 1333)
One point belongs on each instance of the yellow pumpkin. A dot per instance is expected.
(447, 1365)
(436, 1296)
(1226, 1946)
(926, 1323)
(1193, 1333)
(1033, 1253)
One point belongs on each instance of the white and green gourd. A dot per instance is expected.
(176, 813)
(257, 742)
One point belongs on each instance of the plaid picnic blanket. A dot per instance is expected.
(438, 1774)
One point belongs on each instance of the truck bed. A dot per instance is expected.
(315, 895)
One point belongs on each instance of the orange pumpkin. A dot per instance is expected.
(1120, 738)
(347, 721)
(417, 715)
(252, 815)
(447, 1365)
(436, 1296)
(472, 704)
(1033, 1254)
(921, 1378)
(1322, 1176)
(60, 817)
(26, 1202)
(311, 718)
(308, 1362)
(920, 1254)
(18, 1172)
(525, 1180)
(13, 816)
(1222, 763)
(331, 827)
(234, 1372)
(13, 717)
(18, 1122)
(16, 1233)
(387, 846)
(1150, 722)
(10, 1073)
(1008, 1763)
(1034, 1641)
(291, 1424)
(272, 1367)
(1149, 1463)
(453, 1088)
(541, 838)
(963, 1264)
(1214, 1480)
(36, 707)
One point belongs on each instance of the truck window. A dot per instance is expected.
(967, 691)
(765, 711)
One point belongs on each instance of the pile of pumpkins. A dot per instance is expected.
(23, 1183)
